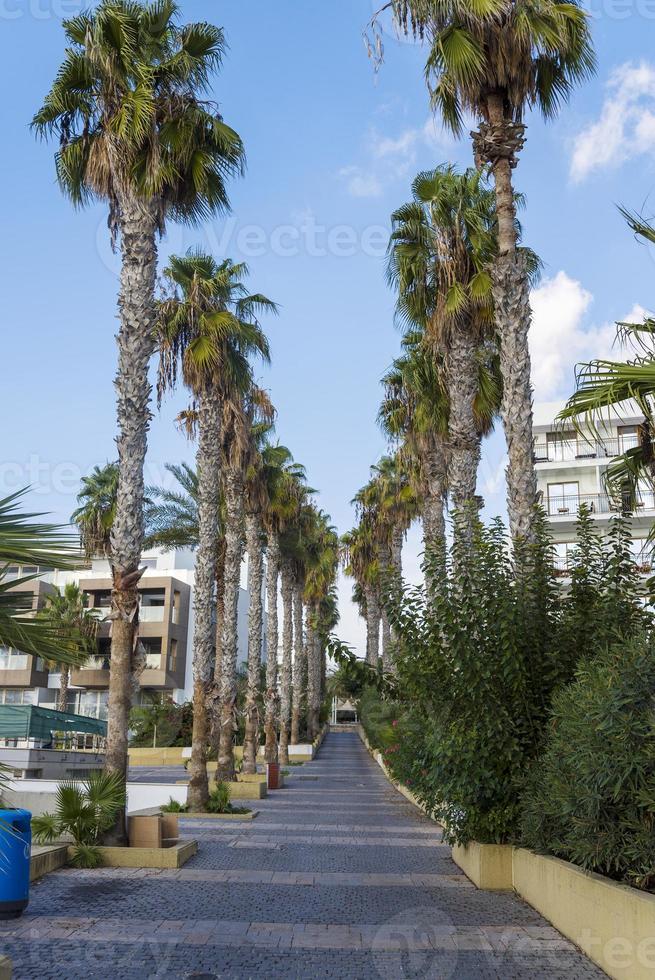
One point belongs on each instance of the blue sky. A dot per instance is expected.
(332, 149)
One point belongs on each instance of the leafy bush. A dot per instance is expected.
(219, 799)
(84, 811)
(174, 806)
(377, 718)
(161, 725)
(591, 797)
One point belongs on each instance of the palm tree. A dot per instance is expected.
(95, 515)
(415, 413)
(498, 59)
(299, 676)
(133, 131)
(441, 246)
(207, 329)
(66, 613)
(321, 571)
(171, 516)
(360, 555)
(25, 540)
(268, 469)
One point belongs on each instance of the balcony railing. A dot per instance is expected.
(598, 503)
(565, 450)
(13, 661)
(151, 614)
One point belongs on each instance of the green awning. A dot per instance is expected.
(30, 721)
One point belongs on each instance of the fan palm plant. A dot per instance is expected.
(207, 329)
(134, 131)
(497, 59)
(441, 246)
(66, 612)
(95, 515)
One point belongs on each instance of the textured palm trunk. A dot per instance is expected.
(397, 556)
(511, 292)
(271, 698)
(464, 455)
(62, 694)
(208, 461)
(254, 547)
(372, 625)
(214, 717)
(286, 578)
(299, 665)
(234, 540)
(135, 347)
(313, 676)
(434, 524)
(387, 645)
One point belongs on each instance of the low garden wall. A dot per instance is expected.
(612, 923)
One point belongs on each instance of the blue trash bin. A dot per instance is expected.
(15, 847)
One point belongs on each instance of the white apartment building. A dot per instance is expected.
(166, 630)
(570, 468)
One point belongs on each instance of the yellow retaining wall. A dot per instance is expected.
(172, 756)
(148, 857)
(488, 866)
(612, 923)
(44, 859)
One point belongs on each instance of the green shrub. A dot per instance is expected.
(84, 811)
(591, 798)
(377, 718)
(219, 799)
(174, 806)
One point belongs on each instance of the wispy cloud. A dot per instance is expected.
(360, 183)
(626, 126)
(562, 336)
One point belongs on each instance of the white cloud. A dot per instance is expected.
(394, 157)
(360, 183)
(626, 125)
(560, 337)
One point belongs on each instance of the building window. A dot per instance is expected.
(11, 659)
(563, 498)
(91, 704)
(176, 606)
(563, 554)
(562, 445)
(172, 656)
(152, 605)
(628, 437)
(17, 695)
(153, 652)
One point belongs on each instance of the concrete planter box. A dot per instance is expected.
(46, 858)
(612, 923)
(147, 857)
(488, 866)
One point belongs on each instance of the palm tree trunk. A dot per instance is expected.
(272, 573)
(511, 292)
(287, 653)
(299, 665)
(397, 555)
(435, 483)
(254, 546)
(62, 694)
(387, 660)
(209, 494)
(214, 719)
(313, 676)
(234, 535)
(372, 625)
(135, 347)
(464, 457)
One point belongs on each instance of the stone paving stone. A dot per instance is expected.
(339, 878)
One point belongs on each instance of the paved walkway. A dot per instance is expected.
(338, 877)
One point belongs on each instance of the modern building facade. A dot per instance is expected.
(166, 631)
(570, 471)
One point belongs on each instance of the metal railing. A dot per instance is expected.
(598, 503)
(566, 450)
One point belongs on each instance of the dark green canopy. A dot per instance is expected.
(30, 721)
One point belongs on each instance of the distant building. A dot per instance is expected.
(570, 469)
(166, 631)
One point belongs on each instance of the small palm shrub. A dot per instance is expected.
(219, 799)
(591, 797)
(174, 806)
(84, 811)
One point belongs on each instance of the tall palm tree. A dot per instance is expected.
(321, 572)
(134, 131)
(65, 612)
(268, 469)
(498, 59)
(171, 516)
(361, 560)
(207, 328)
(414, 413)
(95, 515)
(299, 676)
(441, 246)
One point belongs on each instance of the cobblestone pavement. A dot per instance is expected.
(338, 877)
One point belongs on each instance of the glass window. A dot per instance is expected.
(172, 656)
(628, 437)
(563, 498)
(562, 445)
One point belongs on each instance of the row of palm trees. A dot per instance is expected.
(136, 131)
(462, 278)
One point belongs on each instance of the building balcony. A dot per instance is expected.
(21, 670)
(598, 503)
(578, 450)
